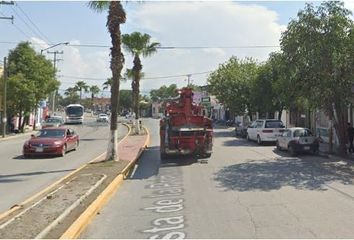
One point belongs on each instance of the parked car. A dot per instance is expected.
(102, 117)
(51, 141)
(265, 130)
(54, 121)
(297, 140)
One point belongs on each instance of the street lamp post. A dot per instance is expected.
(63, 43)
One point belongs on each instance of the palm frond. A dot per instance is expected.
(98, 6)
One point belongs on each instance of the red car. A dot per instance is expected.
(51, 141)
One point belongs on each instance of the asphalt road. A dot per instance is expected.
(21, 178)
(245, 191)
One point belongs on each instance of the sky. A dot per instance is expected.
(218, 30)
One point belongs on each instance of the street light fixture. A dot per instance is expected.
(63, 43)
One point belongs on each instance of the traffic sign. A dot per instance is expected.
(205, 99)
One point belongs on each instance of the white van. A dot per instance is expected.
(265, 130)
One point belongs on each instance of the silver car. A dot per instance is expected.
(53, 122)
(297, 140)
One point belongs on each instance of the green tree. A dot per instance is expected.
(164, 93)
(31, 78)
(319, 50)
(94, 89)
(232, 83)
(116, 17)
(81, 86)
(71, 96)
(138, 45)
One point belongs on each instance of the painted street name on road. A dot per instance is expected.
(169, 188)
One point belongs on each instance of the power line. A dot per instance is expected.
(18, 28)
(147, 78)
(29, 27)
(170, 47)
(39, 31)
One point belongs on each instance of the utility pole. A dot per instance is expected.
(55, 60)
(189, 78)
(4, 115)
(7, 3)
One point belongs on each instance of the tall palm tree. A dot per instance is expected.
(81, 86)
(138, 44)
(116, 17)
(94, 91)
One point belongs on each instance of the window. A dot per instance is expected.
(274, 124)
(302, 133)
(259, 124)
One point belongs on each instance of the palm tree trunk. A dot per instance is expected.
(116, 16)
(135, 87)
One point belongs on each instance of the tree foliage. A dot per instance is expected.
(319, 50)
(164, 92)
(232, 84)
(31, 79)
(138, 44)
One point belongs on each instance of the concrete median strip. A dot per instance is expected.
(66, 207)
(86, 217)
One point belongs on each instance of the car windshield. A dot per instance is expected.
(75, 111)
(302, 133)
(274, 124)
(52, 133)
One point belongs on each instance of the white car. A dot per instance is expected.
(265, 130)
(102, 117)
(297, 140)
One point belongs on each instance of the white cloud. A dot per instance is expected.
(202, 24)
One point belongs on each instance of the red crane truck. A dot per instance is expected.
(183, 129)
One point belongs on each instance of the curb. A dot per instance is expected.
(9, 137)
(19, 206)
(80, 224)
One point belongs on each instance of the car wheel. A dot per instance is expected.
(278, 146)
(76, 145)
(259, 141)
(292, 151)
(63, 151)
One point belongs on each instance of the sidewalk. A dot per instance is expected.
(67, 206)
(323, 152)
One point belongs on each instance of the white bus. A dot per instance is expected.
(74, 113)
